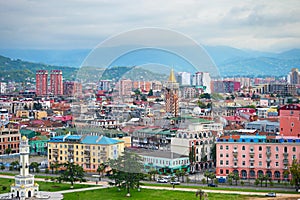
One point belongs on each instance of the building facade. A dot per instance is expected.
(252, 156)
(9, 140)
(85, 150)
(41, 82)
(56, 82)
(72, 88)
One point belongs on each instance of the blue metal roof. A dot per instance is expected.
(89, 139)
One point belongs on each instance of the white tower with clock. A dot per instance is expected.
(24, 186)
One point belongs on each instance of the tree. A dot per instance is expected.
(14, 165)
(261, 179)
(150, 93)
(234, 176)
(127, 171)
(72, 173)
(101, 169)
(206, 174)
(34, 166)
(8, 151)
(212, 176)
(192, 158)
(295, 172)
(2, 167)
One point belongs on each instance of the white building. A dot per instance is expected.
(202, 79)
(3, 87)
(184, 78)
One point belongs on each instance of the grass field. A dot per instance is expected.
(266, 190)
(113, 194)
(44, 186)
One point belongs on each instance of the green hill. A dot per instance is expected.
(19, 71)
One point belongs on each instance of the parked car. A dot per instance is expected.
(162, 180)
(271, 194)
(175, 183)
(212, 185)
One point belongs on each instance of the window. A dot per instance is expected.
(244, 163)
(259, 156)
(221, 171)
(227, 155)
(243, 148)
(227, 171)
(294, 149)
(276, 149)
(221, 162)
(276, 156)
(276, 164)
(227, 147)
(260, 148)
(221, 155)
(294, 157)
(260, 163)
(221, 147)
(244, 156)
(235, 164)
(227, 162)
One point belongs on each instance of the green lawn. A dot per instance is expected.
(44, 186)
(112, 194)
(221, 187)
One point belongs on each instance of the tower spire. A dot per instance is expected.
(172, 76)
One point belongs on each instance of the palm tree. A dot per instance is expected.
(206, 174)
(101, 169)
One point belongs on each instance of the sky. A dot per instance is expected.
(73, 24)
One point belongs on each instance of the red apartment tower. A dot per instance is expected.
(56, 82)
(41, 82)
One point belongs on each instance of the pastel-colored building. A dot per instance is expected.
(251, 156)
(289, 117)
(9, 139)
(164, 161)
(88, 151)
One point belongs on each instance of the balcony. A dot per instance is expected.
(251, 152)
(269, 160)
(268, 153)
(103, 152)
(70, 155)
(235, 166)
(285, 168)
(285, 154)
(251, 159)
(235, 159)
(285, 161)
(251, 167)
(268, 167)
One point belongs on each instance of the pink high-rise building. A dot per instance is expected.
(41, 82)
(56, 82)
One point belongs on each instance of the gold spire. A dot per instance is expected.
(172, 76)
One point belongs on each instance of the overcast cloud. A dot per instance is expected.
(70, 24)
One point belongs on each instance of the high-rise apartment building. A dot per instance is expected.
(202, 79)
(41, 82)
(56, 82)
(294, 76)
(72, 88)
(184, 78)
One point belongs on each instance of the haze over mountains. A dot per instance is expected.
(230, 61)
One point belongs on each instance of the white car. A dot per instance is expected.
(162, 180)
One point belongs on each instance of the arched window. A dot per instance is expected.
(243, 148)
(260, 148)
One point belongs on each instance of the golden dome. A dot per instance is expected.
(24, 138)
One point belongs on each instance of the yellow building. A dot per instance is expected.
(22, 114)
(88, 151)
(40, 114)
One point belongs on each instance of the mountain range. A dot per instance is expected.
(229, 61)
